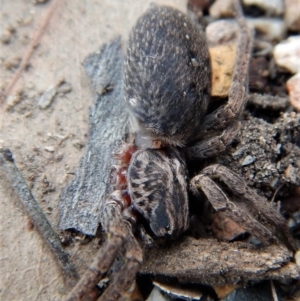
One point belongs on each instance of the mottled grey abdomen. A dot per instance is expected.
(157, 184)
(167, 75)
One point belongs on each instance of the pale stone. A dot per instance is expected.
(292, 14)
(287, 54)
(248, 160)
(225, 31)
(156, 295)
(221, 8)
(49, 149)
(269, 29)
(47, 97)
(221, 32)
(293, 86)
(297, 258)
(271, 7)
(222, 60)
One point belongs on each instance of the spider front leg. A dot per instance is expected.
(117, 232)
(121, 284)
(211, 147)
(233, 110)
(262, 210)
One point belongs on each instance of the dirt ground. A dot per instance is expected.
(48, 143)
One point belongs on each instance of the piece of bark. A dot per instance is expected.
(81, 202)
(210, 262)
(10, 173)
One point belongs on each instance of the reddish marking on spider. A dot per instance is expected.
(123, 154)
(121, 181)
(126, 197)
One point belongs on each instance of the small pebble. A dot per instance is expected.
(12, 100)
(47, 97)
(156, 295)
(268, 29)
(11, 28)
(224, 290)
(49, 149)
(5, 37)
(12, 62)
(176, 292)
(221, 32)
(248, 160)
(271, 7)
(78, 144)
(291, 174)
(297, 258)
(292, 14)
(27, 20)
(64, 88)
(226, 31)
(287, 54)
(293, 86)
(28, 114)
(221, 8)
(221, 36)
(222, 61)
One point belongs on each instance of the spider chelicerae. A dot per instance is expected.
(167, 83)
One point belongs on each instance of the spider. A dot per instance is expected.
(167, 82)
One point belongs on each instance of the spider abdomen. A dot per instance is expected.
(157, 184)
(167, 75)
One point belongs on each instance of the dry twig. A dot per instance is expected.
(11, 174)
(30, 49)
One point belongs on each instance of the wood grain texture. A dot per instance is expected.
(82, 200)
(208, 261)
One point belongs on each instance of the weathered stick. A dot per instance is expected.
(11, 175)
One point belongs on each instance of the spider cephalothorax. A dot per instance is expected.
(157, 188)
(167, 82)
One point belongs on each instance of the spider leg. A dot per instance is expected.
(262, 208)
(224, 115)
(119, 288)
(117, 232)
(220, 202)
(210, 147)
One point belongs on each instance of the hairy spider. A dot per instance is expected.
(167, 83)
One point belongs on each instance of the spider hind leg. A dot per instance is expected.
(266, 220)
